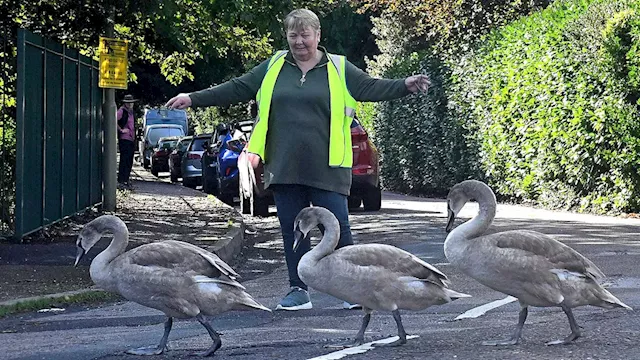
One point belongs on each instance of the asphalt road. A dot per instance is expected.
(414, 224)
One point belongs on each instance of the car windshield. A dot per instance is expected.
(167, 144)
(156, 133)
(182, 145)
(198, 144)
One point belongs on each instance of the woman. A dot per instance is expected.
(306, 99)
(126, 137)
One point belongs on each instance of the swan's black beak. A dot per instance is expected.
(297, 238)
(81, 253)
(450, 218)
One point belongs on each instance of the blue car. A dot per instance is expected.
(220, 164)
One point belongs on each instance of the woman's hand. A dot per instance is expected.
(180, 101)
(417, 83)
(253, 159)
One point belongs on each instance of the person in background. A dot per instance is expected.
(306, 102)
(126, 140)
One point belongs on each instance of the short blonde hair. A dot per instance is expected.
(301, 18)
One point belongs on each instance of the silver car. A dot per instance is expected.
(152, 134)
(192, 160)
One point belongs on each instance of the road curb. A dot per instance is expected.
(231, 245)
(55, 296)
(227, 248)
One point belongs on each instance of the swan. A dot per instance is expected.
(177, 278)
(377, 276)
(530, 266)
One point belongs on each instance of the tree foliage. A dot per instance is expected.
(449, 24)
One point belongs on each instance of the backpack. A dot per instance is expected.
(123, 119)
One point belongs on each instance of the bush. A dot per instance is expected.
(423, 150)
(545, 110)
(621, 48)
(555, 126)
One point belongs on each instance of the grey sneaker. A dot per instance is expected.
(349, 306)
(296, 299)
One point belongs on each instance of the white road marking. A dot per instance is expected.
(481, 310)
(361, 349)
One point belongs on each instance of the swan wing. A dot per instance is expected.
(522, 244)
(392, 259)
(179, 256)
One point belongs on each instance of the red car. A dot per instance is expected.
(365, 185)
(160, 155)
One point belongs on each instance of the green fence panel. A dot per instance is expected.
(29, 134)
(70, 141)
(59, 132)
(53, 138)
(96, 139)
(84, 148)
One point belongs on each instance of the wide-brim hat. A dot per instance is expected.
(129, 99)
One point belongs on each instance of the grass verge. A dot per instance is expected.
(89, 297)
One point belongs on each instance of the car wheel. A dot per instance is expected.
(154, 170)
(259, 205)
(373, 200)
(354, 202)
(222, 195)
(210, 186)
(189, 182)
(227, 199)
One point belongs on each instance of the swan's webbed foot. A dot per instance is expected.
(568, 340)
(158, 349)
(575, 329)
(503, 342)
(147, 351)
(399, 342)
(515, 338)
(402, 335)
(359, 340)
(217, 342)
(209, 352)
(348, 344)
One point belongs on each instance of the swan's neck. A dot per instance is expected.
(329, 240)
(117, 246)
(480, 223)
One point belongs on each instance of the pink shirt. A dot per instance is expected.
(129, 125)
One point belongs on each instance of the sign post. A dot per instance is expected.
(113, 75)
(113, 63)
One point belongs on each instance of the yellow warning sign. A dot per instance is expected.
(113, 63)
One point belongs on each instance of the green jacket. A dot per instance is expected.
(343, 110)
(297, 140)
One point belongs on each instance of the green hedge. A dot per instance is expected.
(546, 108)
(423, 150)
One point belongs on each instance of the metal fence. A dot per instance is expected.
(58, 133)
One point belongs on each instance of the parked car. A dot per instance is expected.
(220, 161)
(191, 165)
(365, 173)
(160, 116)
(152, 134)
(209, 160)
(175, 158)
(160, 156)
(365, 186)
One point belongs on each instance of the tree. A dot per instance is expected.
(449, 24)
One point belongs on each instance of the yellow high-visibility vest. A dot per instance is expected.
(343, 109)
